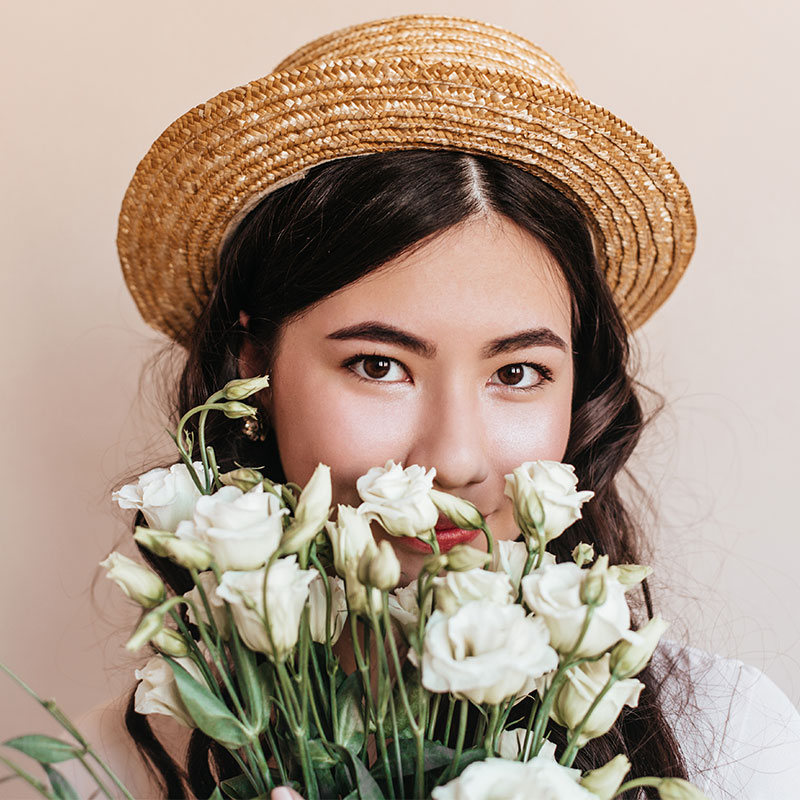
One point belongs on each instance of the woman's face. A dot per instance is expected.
(456, 356)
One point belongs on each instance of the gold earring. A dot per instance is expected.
(253, 430)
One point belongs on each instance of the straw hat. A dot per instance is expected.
(396, 84)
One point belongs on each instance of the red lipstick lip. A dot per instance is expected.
(448, 536)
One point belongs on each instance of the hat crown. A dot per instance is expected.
(435, 39)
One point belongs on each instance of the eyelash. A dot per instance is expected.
(545, 373)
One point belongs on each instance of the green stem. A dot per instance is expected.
(55, 712)
(451, 705)
(273, 745)
(398, 759)
(416, 729)
(95, 777)
(490, 731)
(434, 715)
(301, 741)
(245, 768)
(489, 540)
(535, 703)
(363, 670)
(384, 687)
(28, 778)
(452, 770)
(261, 766)
(201, 441)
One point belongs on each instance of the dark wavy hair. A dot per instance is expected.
(345, 219)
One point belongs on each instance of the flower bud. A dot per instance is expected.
(434, 563)
(593, 588)
(380, 569)
(605, 781)
(150, 625)
(679, 789)
(630, 575)
(462, 558)
(170, 642)
(314, 503)
(311, 513)
(188, 553)
(153, 540)
(583, 554)
(236, 410)
(630, 658)
(242, 478)
(244, 387)
(459, 511)
(139, 583)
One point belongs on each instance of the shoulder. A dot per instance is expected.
(104, 728)
(739, 732)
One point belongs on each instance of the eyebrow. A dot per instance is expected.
(534, 337)
(388, 334)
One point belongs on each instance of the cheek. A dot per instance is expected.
(528, 434)
(343, 429)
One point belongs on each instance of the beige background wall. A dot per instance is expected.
(88, 84)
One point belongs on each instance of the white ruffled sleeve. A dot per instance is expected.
(739, 732)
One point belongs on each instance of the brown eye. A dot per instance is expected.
(511, 374)
(520, 376)
(376, 367)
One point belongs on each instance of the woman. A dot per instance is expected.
(435, 247)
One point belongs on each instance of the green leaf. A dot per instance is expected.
(256, 682)
(349, 713)
(44, 749)
(238, 788)
(62, 788)
(436, 756)
(366, 786)
(210, 714)
(468, 756)
(216, 794)
(319, 753)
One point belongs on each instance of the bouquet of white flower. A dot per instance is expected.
(459, 675)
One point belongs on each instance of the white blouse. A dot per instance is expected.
(739, 733)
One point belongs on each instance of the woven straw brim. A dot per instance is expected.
(210, 166)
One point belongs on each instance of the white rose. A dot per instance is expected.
(164, 496)
(485, 652)
(584, 683)
(510, 557)
(287, 592)
(215, 602)
(242, 529)
(456, 589)
(399, 499)
(548, 484)
(157, 692)
(404, 608)
(511, 742)
(553, 594)
(541, 778)
(350, 536)
(139, 583)
(318, 608)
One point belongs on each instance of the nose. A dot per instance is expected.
(451, 436)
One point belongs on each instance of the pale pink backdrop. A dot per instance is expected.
(87, 85)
